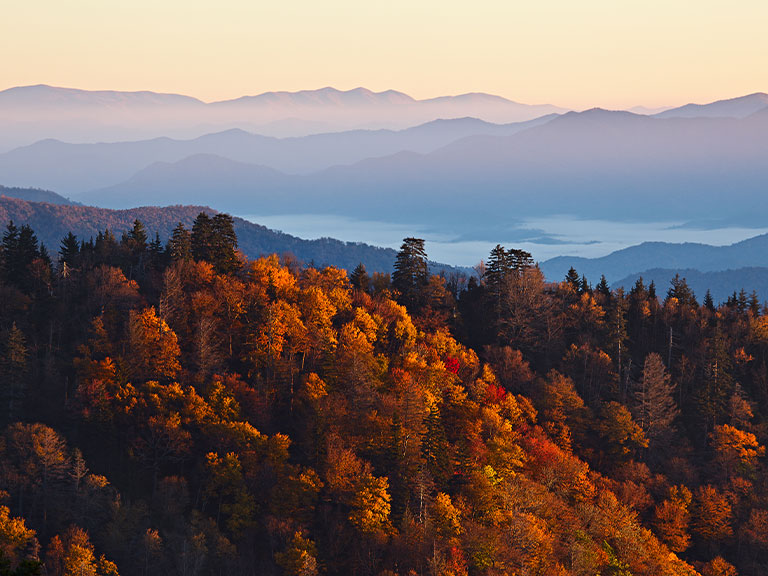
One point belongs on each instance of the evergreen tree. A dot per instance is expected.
(19, 249)
(180, 244)
(360, 279)
(214, 240)
(496, 275)
(13, 369)
(105, 248)
(411, 273)
(135, 240)
(202, 237)
(717, 384)
(603, 289)
(434, 447)
(709, 303)
(572, 279)
(655, 408)
(652, 291)
(224, 244)
(754, 304)
(520, 260)
(680, 290)
(69, 251)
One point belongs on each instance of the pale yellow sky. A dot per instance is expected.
(609, 53)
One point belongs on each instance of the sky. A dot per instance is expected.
(608, 53)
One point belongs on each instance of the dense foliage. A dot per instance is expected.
(180, 409)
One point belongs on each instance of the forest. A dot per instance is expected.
(181, 409)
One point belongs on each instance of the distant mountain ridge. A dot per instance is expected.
(752, 252)
(35, 195)
(32, 113)
(76, 168)
(721, 284)
(740, 107)
(595, 164)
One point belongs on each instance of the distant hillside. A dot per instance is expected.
(752, 252)
(52, 222)
(74, 168)
(721, 284)
(35, 195)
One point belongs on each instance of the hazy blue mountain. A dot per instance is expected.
(594, 164)
(51, 222)
(732, 108)
(32, 113)
(35, 195)
(197, 179)
(752, 252)
(722, 284)
(73, 168)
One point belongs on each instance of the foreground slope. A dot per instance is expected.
(274, 420)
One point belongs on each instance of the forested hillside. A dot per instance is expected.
(52, 222)
(178, 408)
(34, 195)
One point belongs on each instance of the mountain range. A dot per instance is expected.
(648, 255)
(467, 171)
(722, 270)
(76, 168)
(31, 113)
(596, 164)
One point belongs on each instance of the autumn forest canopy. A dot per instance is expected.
(177, 408)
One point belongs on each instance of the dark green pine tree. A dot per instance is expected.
(202, 237)
(679, 289)
(709, 303)
(411, 273)
(134, 243)
(716, 386)
(13, 369)
(179, 244)
(69, 251)
(584, 287)
(496, 276)
(618, 337)
(603, 289)
(519, 259)
(572, 279)
(360, 279)
(105, 248)
(754, 304)
(214, 241)
(434, 448)
(224, 248)
(44, 256)
(652, 291)
(156, 252)
(135, 240)
(19, 249)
